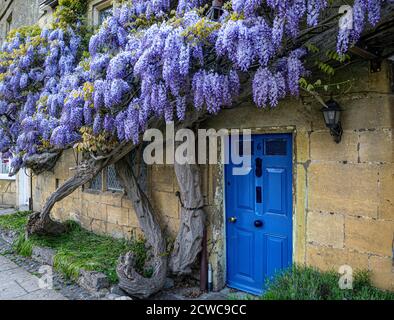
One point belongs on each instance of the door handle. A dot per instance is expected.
(232, 220)
(258, 224)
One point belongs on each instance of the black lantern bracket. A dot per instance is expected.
(332, 118)
(337, 132)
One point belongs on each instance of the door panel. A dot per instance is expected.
(245, 193)
(259, 214)
(275, 188)
(245, 243)
(276, 254)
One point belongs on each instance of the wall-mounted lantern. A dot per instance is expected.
(332, 118)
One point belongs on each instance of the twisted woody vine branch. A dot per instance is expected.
(151, 61)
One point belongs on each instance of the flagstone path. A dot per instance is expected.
(18, 284)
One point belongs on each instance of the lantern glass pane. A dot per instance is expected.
(329, 117)
(337, 116)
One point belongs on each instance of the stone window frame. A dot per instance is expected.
(8, 24)
(95, 7)
(103, 176)
(4, 175)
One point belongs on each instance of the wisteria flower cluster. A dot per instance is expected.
(30, 92)
(146, 61)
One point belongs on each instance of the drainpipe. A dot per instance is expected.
(31, 192)
(204, 263)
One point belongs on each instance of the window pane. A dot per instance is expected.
(276, 147)
(104, 14)
(5, 166)
(97, 182)
(112, 180)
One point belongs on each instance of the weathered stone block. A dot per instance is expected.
(133, 220)
(324, 148)
(367, 112)
(4, 185)
(115, 231)
(90, 196)
(386, 192)
(13, 186)
(93, 281)
(376, 146)
(9, 199)
(290, 112)
(118, 215)
(112, 198)
(370, 236)
(43, 255)
(86, 222)
(343, 188)
(96, 210)
(382, 272)
(99, 226)
(128, 232)
(302, 146)
(326, 229)
(300, 220)
(162, 178)
(166, 203)
(326, 258)
(126, 203)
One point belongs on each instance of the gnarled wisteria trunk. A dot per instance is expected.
(189, 240)
(40, 223)
(130, 280)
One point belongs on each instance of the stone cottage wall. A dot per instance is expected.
(7, 193)
(343, 193)
(23, 13)
(101, 212)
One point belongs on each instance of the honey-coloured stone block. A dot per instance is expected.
(350, 189)
(326, 229)
(369, 235)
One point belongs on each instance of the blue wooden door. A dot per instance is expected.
(259, 213)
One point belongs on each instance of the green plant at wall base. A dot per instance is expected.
(23, 246)
(305, 283)
(16, 221)
(78, 248)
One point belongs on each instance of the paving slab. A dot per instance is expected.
(18, 284)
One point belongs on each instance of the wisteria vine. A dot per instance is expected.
(149, 60)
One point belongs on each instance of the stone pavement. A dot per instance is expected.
(18, 284)
(6, 211)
